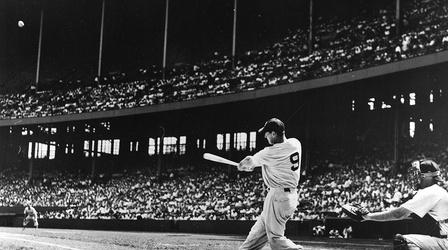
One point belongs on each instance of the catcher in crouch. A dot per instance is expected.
(430, 199)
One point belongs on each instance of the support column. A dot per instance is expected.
(93, 167)
(100, 52)
(39, 49)
(397, 17)
(396, 134)
(235, 9)
(310, 35)
(94, 155)
(3, 147)
(31, 162)
(160, 155)
(165, 39)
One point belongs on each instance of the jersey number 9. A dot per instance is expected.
(295, 160)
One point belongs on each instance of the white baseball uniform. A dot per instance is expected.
(281, 172)
(31, 215)
(432, 200)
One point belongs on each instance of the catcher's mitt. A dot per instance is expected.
(355, 211)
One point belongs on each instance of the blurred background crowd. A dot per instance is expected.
(216, 192)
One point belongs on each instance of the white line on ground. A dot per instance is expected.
(177, 245)
(54, 231)
(5, 236)
(304, 242)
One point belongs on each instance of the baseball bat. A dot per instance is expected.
(215, 158)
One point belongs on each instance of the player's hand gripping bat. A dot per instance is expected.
(247, 163)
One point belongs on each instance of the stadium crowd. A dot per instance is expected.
(214, 193)
(340, 46)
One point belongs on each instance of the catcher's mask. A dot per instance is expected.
(421, 169)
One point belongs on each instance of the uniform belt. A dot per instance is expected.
(288, 190)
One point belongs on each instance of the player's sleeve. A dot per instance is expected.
(422, 202)
(259, 158)
(299, 150)
(297, 144)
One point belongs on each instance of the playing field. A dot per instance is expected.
(14, 238)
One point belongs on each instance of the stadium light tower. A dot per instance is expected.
(165, 37)
(235, 4)
(397, 17)
(39, 47)
(310, 35)
(101, 40)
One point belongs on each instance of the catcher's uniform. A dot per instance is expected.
(31, 215)
(281, 172)
(432, 200)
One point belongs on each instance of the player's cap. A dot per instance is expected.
(273, 124)
(427, 168)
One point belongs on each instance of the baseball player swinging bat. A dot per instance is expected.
(215, 158)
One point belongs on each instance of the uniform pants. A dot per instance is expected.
(420, 241)
(278, 207)
(29, 219)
